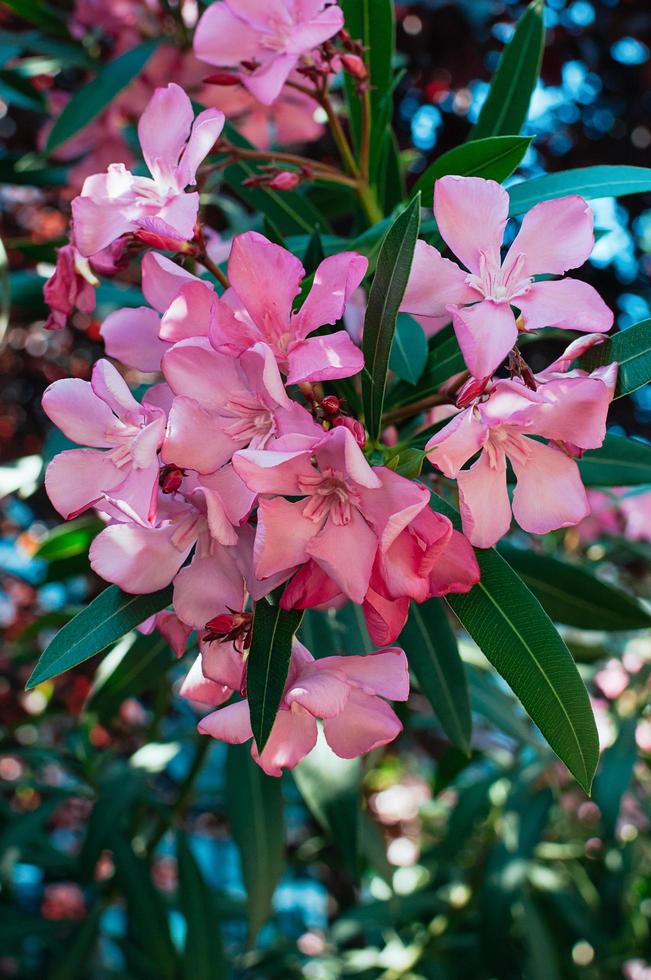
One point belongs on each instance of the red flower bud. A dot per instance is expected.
(472, 389)
(170, 479)
(222, 78)
(331, 406)
(286, 180)
(355, 66)
(353, 426)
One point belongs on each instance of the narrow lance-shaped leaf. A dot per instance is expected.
(431, 648)
(268, 663)
(631, 348)
(513, 631)
(102, 622)
(494, 158)
(571, 595)
(203, 953)
(588, 182)
(507, 103)
(93, 97)
(387, 290)
(254, 805)
(619, 462)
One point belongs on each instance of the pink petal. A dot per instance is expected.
(194, 369)
(456, 569)
(486, 333)
(455, 443)
(138, 559)
(81, 415)
(484, 501)
(222, 663)
(109, 385)
(309, 587)
(180, 214)
(385, 618)
(365, 723)
(277, 548)
(263, 377)
(311, 33)
(549, 493)
(98, 223)
(334, 281)
(196, 687)
(207, 587)
(338, 450)
(346, 553)
(266, 83)
(434, 284)
(293, 735)
(194, 440)
(568, 304)
(230, 724)
(385, 673)
(190, 312)
(173, 630)
(77, 478)
(131, 336)
(323, 694)
(323, 358)
(222, 38)
(162, 280)
(267, 278)
(205, 131)
(236, 497)
(391, 507)
(471, 215)
(270, 471)
(555, 236)
(163, 129)
(573, 410)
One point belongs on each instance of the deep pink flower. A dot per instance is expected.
(116, 202)
(265, 279)
(347, 693)
(345, 510)
(225, 403)
(471, 215)
(125, 437)
(567, 409)
(72, 286)
(265, 40)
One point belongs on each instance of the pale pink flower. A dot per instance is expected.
(347, 693)
(226, 403)
(345, 510)
(570, 410)
(265, 279)
(471, 215)
(117, 202)
(265, 41)
(125, 437)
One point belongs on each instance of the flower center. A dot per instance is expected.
(506, 440)
(329, 496)
(252, 423)
(496, 283)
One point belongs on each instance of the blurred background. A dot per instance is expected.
(122, 835)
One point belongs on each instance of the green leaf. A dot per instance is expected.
(571, 595)
(93, 97)
(19, 91)
(331, 789)
(615, 774)
(513, 631)
(147, 913)
(203, 953)
(38, 13)
(431, 648)
(134, 671)
(631, 348)
(102, 622)
(408, 350)
(620, 462)
(290, 211)
(387, 290)
(268, 663)
(588, 182)
(75, 955)
(373, 23)
(116, 796)
(505, 109)
(254, 805)
(494, 158)
(70, 539)
(443, 360)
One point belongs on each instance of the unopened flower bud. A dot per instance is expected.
(355, 66)
(331, 406)
(222, 78)
(286, 180)
(170, 479)
(471, 390)
(353, 426)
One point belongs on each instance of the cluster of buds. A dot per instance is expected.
(231, 627)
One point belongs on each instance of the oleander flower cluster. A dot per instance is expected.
(243, 471)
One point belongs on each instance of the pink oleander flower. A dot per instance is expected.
(347, 693)
(117, 202)
(225, 403)
(264, 41)
(265, 279)
(568, 409)
(125, 437)
(291, 118)
(136, 336)
(422, 559)
(346, 509)
(471, 215)
(72, 286)
(636, 508)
